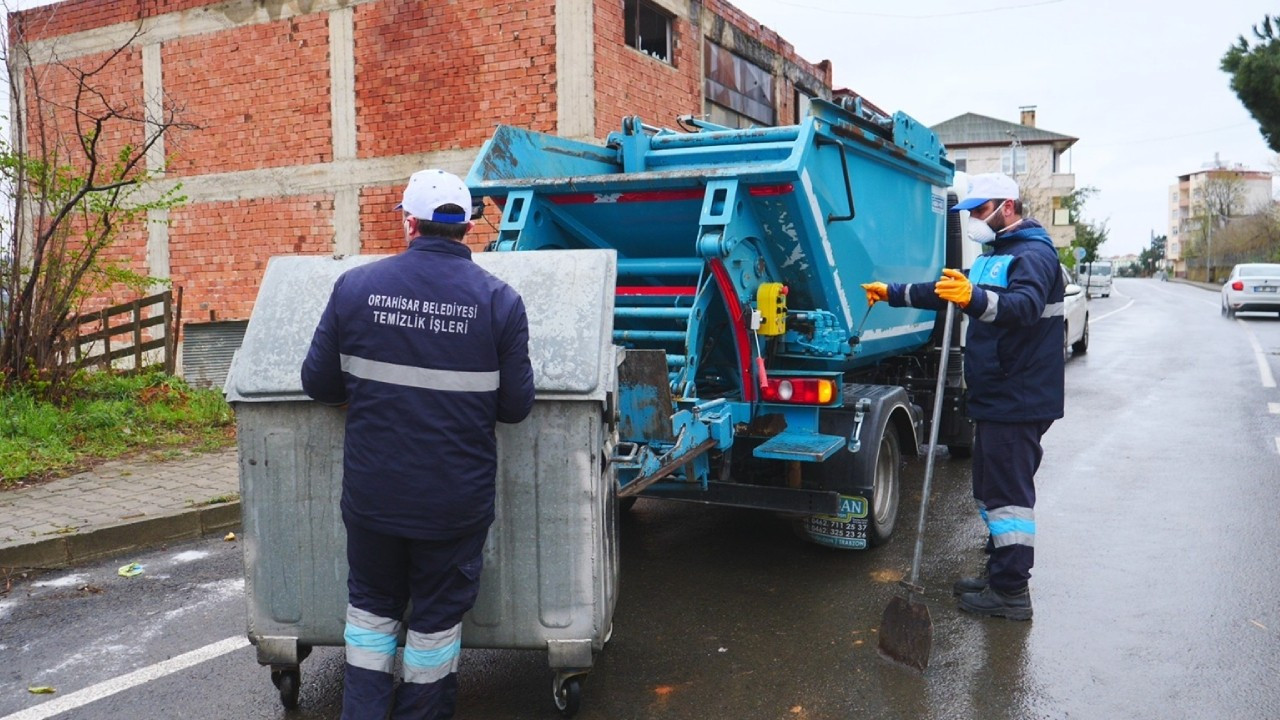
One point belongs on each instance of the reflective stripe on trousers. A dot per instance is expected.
(371, 640)
(428, 657)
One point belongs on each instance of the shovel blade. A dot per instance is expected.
(906, 633)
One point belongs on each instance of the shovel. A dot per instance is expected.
(906, 630)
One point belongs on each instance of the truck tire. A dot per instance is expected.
(882, 515)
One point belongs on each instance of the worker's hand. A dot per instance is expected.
(954, 287)
(876, 292)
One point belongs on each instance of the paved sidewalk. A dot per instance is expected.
(119, 506)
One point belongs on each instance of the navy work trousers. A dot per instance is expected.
(1005, 459)
(442, 579)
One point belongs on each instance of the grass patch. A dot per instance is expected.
(107, 416)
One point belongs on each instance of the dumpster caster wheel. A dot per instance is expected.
(568, 697)
(289, 682)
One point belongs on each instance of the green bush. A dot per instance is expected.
(104, 416)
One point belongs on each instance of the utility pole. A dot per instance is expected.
(1013, 154)
(1208, 270)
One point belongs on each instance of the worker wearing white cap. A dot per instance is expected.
(1013, 369)
(427, 350)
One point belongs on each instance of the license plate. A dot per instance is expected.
(1264, 288)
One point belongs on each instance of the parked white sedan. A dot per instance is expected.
(1252, 287)
(1075, 313)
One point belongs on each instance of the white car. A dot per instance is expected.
(1252, 287)
(1075, 307)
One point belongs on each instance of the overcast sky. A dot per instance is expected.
(1137, 83)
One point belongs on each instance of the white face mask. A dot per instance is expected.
(980, 231)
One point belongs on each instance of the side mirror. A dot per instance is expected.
(1072, 289)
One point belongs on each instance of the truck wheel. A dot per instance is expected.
(883, 514)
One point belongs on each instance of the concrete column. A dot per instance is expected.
(157, 220)
(153, 105)
(575, 69)
(158, 246)
(342, 93)
(346, 221)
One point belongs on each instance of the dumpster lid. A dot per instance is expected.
(568, 296)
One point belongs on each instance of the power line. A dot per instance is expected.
(917, 17)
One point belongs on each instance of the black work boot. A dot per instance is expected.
(975, 584)
(993, 603)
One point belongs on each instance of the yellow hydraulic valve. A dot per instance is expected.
(771, 301)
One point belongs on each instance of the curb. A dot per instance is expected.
(1193, 283)
(106, 540)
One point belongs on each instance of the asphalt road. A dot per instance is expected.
(1154, 588)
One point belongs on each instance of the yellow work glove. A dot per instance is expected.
(954, 287)
(876, 291)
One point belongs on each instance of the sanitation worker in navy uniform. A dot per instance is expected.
(428, 351)
(1013, 367)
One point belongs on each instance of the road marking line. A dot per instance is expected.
(1100, 318)
(106, 688)
(1274, 408)
(1264, 367)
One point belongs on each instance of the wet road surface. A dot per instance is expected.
(1154, 589)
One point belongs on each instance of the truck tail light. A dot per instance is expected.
(799, 391)
(1237, 285)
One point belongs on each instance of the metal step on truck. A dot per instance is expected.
(752, 371)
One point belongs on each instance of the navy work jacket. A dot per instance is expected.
(1013, 357)
(429, 351)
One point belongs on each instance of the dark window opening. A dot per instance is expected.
(648, 29)
(803, 101)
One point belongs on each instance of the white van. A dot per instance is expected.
(1095, 277)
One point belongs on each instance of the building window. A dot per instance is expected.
(738, 86)
(961, 159)
(648, 29)
(1013, 160)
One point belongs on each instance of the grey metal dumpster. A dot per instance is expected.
(551, 560)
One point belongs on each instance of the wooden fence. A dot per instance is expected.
(95, 347)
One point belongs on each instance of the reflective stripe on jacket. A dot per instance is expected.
(428, 350)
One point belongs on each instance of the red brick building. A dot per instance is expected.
(313, 113)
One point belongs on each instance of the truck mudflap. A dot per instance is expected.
(881, 424)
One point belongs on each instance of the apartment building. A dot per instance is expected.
(1218, 189)
(312, 114)
(1034, 157)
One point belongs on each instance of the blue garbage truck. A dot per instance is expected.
(753, 372)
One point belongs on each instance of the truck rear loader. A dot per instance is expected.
(753, 372)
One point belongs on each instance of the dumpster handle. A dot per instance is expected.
(848, 187)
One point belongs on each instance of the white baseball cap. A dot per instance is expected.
(988, 186)
(429, 189)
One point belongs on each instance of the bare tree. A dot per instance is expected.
(73, 175)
